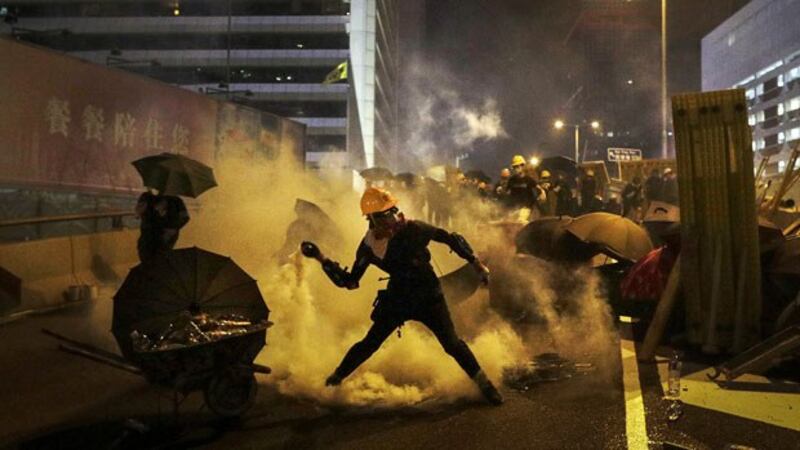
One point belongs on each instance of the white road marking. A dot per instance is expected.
(635, 425)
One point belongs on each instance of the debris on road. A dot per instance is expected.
(545, 367)
(188, 330)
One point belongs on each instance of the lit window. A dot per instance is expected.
(750, 94)
(781, 166)
(760, 116)
(751, 120)
(793, 104)
(780, 80)
(760, 89)
(780, 109)
(793, 134)
(781, 137)
(793, 74)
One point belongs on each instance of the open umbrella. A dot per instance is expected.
(547, 238)
(620, 237)
(377, 174)
(173, 174)
(189, 280)
(460, 284)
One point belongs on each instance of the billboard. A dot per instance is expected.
(67, 123)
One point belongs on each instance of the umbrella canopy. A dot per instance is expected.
(189, 280)
(478, 175)
(173, 174)
(377, 174)
(648, 277)
(662, 212)
(460, 284)
(620, 237)
(547, 238)
(664, 218)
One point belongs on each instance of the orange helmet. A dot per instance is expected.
(376, 200)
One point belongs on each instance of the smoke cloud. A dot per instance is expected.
(247, 216)
(441, 117)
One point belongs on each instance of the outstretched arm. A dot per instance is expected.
(340, 277)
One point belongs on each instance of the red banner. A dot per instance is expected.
(68, 123)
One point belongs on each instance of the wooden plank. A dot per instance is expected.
(718, 217)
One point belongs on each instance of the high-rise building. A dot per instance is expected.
(758, 49)
(268, 54)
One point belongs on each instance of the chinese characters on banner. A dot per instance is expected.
(124, 131)
(79, 125)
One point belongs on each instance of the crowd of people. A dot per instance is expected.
(526, 191)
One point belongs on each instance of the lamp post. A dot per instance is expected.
(559, 124)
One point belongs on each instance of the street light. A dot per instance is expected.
(559, 124)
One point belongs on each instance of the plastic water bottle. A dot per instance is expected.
(674, 380)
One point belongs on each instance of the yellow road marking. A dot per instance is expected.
(635, 426)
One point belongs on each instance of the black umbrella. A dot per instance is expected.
(547, 238)
(189, 280)
(460, 284)
(173, 174)
(377, 174)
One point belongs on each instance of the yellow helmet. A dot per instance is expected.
(377, 200)
(517, 160)
(544, 174)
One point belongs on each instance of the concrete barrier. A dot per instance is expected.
(48, 267)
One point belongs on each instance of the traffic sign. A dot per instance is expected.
(624, 154)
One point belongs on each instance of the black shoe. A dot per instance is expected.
(333, 380)
(490, 393)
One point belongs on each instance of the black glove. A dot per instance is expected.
(309, 249)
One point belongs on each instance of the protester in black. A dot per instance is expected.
(399, 247)
(162, 217)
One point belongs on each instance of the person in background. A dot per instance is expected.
(613, 206)
(653, 188)
(588, 190)
(669, 193)
(161, 218)
(632, 197)
(522, 190)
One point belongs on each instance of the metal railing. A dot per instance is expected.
(116, 217)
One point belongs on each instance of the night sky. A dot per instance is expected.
(514, 51)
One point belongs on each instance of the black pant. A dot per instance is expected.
(433, 313)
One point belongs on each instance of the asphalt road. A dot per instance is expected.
(52, 399)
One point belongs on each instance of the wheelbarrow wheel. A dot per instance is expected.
(231, 393)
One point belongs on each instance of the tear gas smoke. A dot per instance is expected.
(315, 323)
(442, 118)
